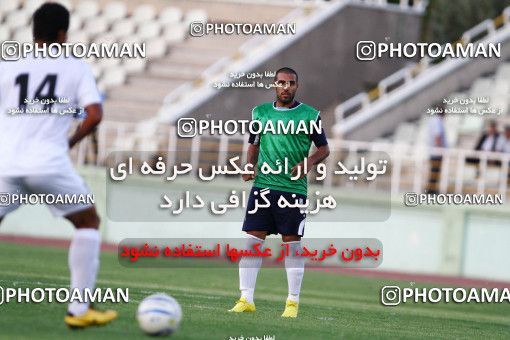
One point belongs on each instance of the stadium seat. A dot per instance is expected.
(87, 9)
(174, 33)
(95, 26)
(91, 60)
(78, 37)
(105, 38)
(23, 34)
(129, 110)
(17, 19)
(5, 33)
(97, 71)
(9, 6)
(112, 77)
(106, 63)
(114, 11)
(148, 30)
(123, 27)
(31, 5)
(503, 71)
(131, 39)
(169, 70)
(133, 65)
(75, 23)
(143, 13)
(195, 15)
(67, 4)
(156, 48)
(170, 15)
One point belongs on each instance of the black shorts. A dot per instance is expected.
(273, 219)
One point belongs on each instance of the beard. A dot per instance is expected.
(286, 100)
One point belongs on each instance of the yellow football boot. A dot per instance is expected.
(291, 309)
(243, 306)
(92, 317)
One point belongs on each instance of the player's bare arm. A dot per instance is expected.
(318, 156)
(94, 116)
(253, 156)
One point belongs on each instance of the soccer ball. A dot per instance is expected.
(159, 314)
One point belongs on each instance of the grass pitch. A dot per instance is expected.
(332, 306)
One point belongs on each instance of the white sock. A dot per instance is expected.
(295, 268)
(83, 264)
(248, 270)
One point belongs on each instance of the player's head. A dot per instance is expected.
(51, 22)
(492, 127)
(441, 107)
(507, 131)
(286, 80)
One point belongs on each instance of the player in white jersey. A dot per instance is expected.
(34, 146)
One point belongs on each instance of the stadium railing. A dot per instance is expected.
(408, 170)
(411, 79)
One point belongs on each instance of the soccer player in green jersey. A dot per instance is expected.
(274, 150)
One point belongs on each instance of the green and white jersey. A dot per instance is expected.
(281, 148)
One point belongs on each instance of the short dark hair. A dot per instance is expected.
(286, 70)
(48, 20)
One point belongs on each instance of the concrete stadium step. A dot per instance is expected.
(138, 92)
(175, 71)
(118, 118)
(135, 111)
(216, 42)
(195, 56)
(142, 96)
(147, 82)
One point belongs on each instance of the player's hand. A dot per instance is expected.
(249, 177)
(300, 167)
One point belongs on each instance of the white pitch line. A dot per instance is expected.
(449, 314)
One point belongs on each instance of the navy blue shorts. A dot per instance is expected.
(273, 219)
